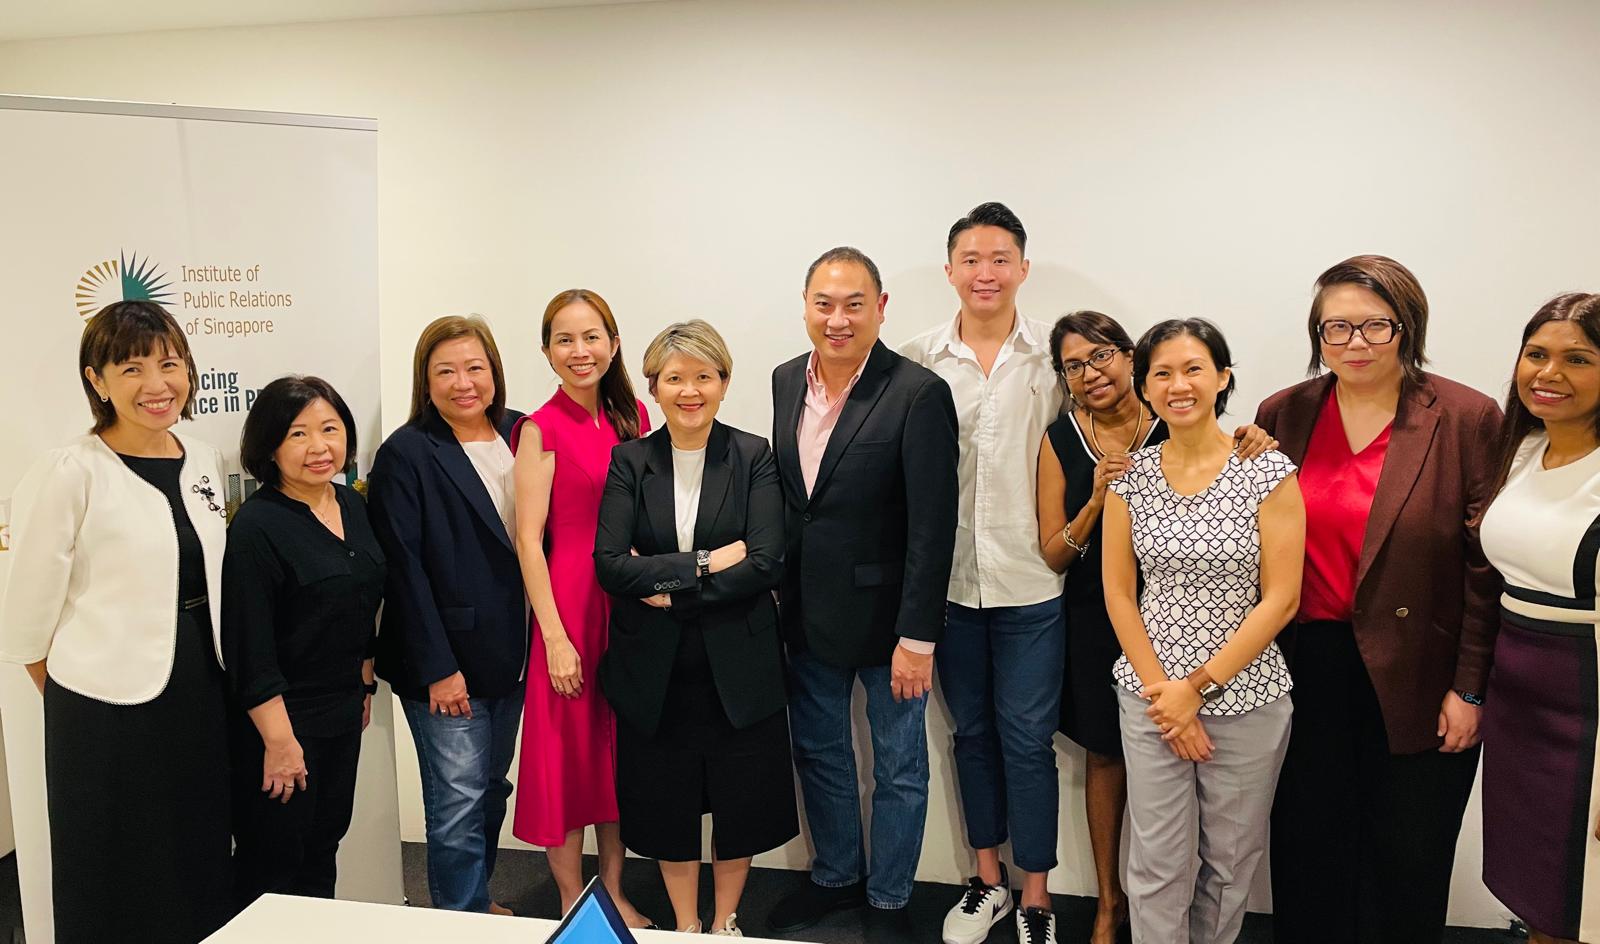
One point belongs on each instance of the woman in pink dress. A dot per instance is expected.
(567, 777)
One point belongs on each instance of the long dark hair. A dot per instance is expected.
(1580, 308)
(616, 388)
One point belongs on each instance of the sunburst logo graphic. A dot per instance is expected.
(120, 280)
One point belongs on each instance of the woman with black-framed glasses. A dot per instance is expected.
(1390, 650)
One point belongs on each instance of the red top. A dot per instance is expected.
(1338, 486)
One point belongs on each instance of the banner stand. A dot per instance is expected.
(258, 232)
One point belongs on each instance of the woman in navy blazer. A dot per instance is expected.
(454, 635)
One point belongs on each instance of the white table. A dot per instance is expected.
(321, 921)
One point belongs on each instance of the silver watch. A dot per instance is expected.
(702, 563)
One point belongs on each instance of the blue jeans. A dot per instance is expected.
(1000, 671)
(824, 755)
(464, 791)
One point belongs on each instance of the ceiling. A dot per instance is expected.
(41, 19)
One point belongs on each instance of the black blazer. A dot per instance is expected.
(733, 610)
(869, 549)
(454, 598)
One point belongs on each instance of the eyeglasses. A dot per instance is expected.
(1373, 331)
(1099, 359)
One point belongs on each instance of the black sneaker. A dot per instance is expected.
(811, 903)
(1036, 926)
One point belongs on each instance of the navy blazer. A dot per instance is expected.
(454, 599)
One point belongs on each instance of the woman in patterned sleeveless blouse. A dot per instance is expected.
(1219, 543)
(1082, 452)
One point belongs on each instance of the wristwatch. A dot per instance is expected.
(1471, 698)
(702, 563)
(371, 688)
(1208, 688)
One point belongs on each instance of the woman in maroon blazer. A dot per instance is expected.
(1391, 648)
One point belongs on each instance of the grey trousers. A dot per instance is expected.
(1217, 811)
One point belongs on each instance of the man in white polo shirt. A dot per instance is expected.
(1000, 663)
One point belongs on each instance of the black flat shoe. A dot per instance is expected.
(887, 926)
(811, 903)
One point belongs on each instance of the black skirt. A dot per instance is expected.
(699, 763)
(139, 805)
(1089, 696)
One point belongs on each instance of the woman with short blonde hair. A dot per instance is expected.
(690, 546)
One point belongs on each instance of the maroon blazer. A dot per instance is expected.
(1427, 601)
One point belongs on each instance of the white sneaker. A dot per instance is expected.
(691, 929)
(731, 929)
(1036, 926)
(981, 907)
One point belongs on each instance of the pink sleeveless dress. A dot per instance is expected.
(567, 776)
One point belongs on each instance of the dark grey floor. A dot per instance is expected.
(522, 882)
(10, 900)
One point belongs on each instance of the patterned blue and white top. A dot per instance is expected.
(1200, 556)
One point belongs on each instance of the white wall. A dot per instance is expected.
(691, 158)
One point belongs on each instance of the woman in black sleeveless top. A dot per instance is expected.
(1083, 450)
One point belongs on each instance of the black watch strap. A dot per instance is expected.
(371, 688)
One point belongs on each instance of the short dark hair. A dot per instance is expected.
(846, 254)
(1201, 330)
(1092, 326)
(274, 411)
(1399, 289)
(122, 331)
(988, 214)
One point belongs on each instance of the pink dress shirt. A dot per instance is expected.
(817, 421)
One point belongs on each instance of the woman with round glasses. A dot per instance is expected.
(1390, 650)
(1083, 451)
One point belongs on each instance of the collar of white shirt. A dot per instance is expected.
(1022, 338)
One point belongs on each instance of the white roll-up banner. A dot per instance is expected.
(258, 232)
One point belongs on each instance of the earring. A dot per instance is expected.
(105, 399)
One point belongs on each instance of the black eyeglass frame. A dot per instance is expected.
(1099, 359)
(1395, 328)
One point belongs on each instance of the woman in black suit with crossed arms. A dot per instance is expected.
(690, 545)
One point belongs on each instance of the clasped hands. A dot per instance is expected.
(1175, 709)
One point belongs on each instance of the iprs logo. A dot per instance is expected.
(121, 280)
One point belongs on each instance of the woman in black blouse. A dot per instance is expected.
(301, 583)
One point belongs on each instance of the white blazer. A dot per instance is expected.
(94, 577)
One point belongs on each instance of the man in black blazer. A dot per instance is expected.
(866, 448)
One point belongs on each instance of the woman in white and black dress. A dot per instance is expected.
(690, 546)
(1541, 837)
(136, 761)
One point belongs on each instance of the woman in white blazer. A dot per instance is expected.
(112, 604)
